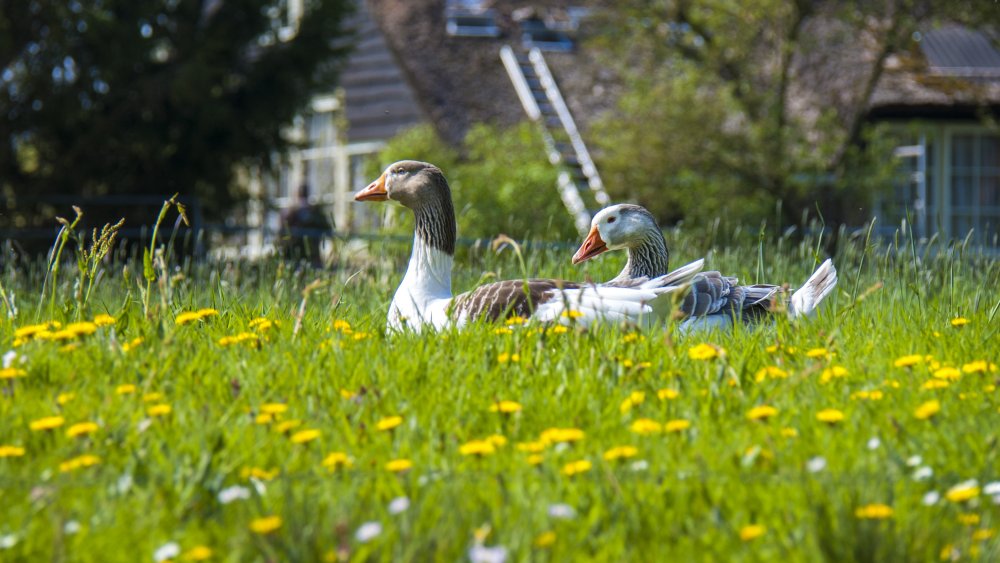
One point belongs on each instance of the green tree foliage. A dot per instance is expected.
(154, 96)
(731, 106)
(500, 179)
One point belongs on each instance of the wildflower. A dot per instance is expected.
(789, 432)
(668, 394)
(497, 440)
(923, 473)
(198, 553)
(273, 408)
(969, 519)
(762, 412)
(963, 491)
(983, 534)
(531, 447)
(347, 394)
(399, 505)
(399, 465)
(620, 452)
(752, 532)
(477, 448)
(63, 398)
(153, 397)
(559, 435)
(47, 423)
(11, 451)
(261, 324)
(633, 337)
(908, 361)
(816, 464)
(232, 494)
(818, 353)
(259, 473)
(770, 372)
(192, 316)
(979, 366)
(635, 398)
(342, 326)
(482, 554)
(368, 531)
(645, 426)
(830, 416)
(561, 511)
(505, 407)
(832, 372)
(304, 436)
(948, 373)
(959, 321)
(874, 395)
(166, 552)
(545, 539)
(504, 358)
(572, 314)
(705, 352)
(930, 499)
(265, 525)
(125, 389)
(103, 319)
(676, 425)
(874, 512)
(81, 429)
(78, 462)
(927, 410)
(389, 423)
(576, 467)
(11, 373)
(336, 460)
(161, 409)
(515, 320)
(558, 329)
(931, 384)
(873, 443)
(30, 331)
(535, 459)
(131, 344)
(286, 426)
(264, 418)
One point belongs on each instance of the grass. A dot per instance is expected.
(807, 489)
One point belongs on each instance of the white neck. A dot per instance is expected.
(425, 292)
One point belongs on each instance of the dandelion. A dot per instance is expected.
(505, 407)
(11, 451)
(286, 426)
(103, 319)
(535, 459)
(983, 534)
(576, 467)
(572, 314)
(676, 425)
(635, 398)
(186, 317)
(789, 432)
(927, 410)
(153, 397)
(341, 325)
(260, 473)
(497, 440)
(47, 423)
(752, 532)
(831, 373)
(515, 321)
(11, 373)
(347, 394)
(762, 412)
(399, 465)
(959, 321)
(770, 372)
(963, 491)
(198, 553)
(633, 337)
(505, 357)
(125, 389)
(830, 416)
(273, 408)
(265, 525)
(531, 447)
(545, 539)
(705, 352)
(948, 373)
(81, 429)
(932, 384)
(79, 462)
(968, 519)
(558, 329)
(161, 409)
(337, 460)
(668, 394)
(817, 353)
(644, 426)
(873, 512)
(389, 423)
(620, 452)
(908, 361)
(979, 366)
(63, 398)
(478, 448)
(561, 435)
(305, 436)
(132, 344)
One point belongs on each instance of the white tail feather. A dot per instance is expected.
(807, 298)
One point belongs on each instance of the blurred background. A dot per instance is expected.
(266, 115)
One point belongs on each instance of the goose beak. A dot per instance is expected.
(374, 192)
(592, 246)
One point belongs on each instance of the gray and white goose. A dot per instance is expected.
(714, 300)
(424, 298)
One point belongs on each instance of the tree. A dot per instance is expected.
(155, 96)
(732, 106)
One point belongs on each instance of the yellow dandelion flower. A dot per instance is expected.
(959, 321)
(274, 408)
(559, 435)
(360, 335)
(948, 373)
(908, 361)
(186, 318)
(705, 352)
(132, 344)
(983, 534)
(931, 384)
(287, 425)
(399, 465)
(621, 452)
(761, 412)
(789, 432)
(497, 440)
(832, 372)
(11, 451)
(477, 448)
(81, 429)
(968, 519)
(668, 394)
(874, 395)
(30, 331)
(676, 425)
(103, 319)
(963, 491)
(645, 426)
(304, 436)
(161, 409)
(635, 398)
(873, 512)
(752, 532)
(770, 372)
(336, 460)
(389, 423)
(927, 410)
(505, 407)
(125, 389)
(208, 312)
(154, 397)
(265, 525)
(260, 473)
(535, 459)
(572, 314)
(63, 398)
(531, 447)
(264, 418)
(633, 337)
(515, 320)
(78, 462)
(830, 416)
(818, 353)
(46, 423)
(504, 358)
(12, 372)
(576, 467)
(545, 539)
(341, 325)
(261, 324)
(979, 366)
(558, 329)
(198, 553)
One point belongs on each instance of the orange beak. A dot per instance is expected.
(374, 192)
(592, 246)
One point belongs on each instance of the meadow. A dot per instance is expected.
(236, 411)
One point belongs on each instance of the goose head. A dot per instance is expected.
(622, 226)
(410, 182)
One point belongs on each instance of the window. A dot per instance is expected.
(975, 187)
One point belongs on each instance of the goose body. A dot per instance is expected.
(715, 301)
(424, 297)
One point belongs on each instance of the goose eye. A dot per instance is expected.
(611, 220)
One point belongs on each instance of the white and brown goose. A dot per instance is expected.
(424, 297)
(714, 300)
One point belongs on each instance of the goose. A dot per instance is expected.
(714, 300)
(424, 297)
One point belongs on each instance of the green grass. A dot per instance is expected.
(685, 495)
